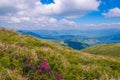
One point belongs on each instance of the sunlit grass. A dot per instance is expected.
(112, 50)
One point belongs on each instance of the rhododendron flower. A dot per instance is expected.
(45, 66)
(43, 77)
(39, 70)
(28, 58)
(59, 76)
(28, 65)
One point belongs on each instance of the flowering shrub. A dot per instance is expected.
(41, 68)
(45, 66)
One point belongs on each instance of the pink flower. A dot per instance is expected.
(39, 70)
(43, 77)
(45, 66)
(28, 65)
(2, 51)
(59, 76)
(28, 58)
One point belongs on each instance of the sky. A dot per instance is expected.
(59, 14)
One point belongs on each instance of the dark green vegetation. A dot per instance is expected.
(23, 57)
(77, 39)
(75, 45)
(106, 50)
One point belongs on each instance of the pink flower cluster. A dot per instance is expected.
(59, 76)
(39, 70)
(43, 77)
(28, 65)
(45, 66)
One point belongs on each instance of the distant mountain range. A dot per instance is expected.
(77, 39)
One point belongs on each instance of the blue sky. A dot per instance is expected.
(60, 14)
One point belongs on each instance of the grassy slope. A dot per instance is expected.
(106, 50)
(21, 57)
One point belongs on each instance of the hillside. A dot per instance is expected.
(23, 57)
(112, 50)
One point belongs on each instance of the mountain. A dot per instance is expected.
(110, 39)
(105, 50)
(77, 39)
(87, 33)
(23, 57)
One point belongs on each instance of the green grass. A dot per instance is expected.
(112, 50)
(22, 57)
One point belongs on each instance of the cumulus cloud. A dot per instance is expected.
(40, 23)
(18, 19)
(115, 12)
(32, 14)
(68, 8)
(59, 7)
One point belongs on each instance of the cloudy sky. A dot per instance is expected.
(59, 14)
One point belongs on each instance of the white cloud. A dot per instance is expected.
(59, 7)
(67, 22)
(35, 13)
(15, 20)
(25, 18)
(31, 14)
(18, 19)
(115, 12)
(67, 8)
(49, 23)
(103, 25)
(5, 3)
(52, 20)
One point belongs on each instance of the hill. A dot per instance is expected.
(23, 57)
(105, 50)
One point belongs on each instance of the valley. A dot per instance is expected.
(77, 39)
